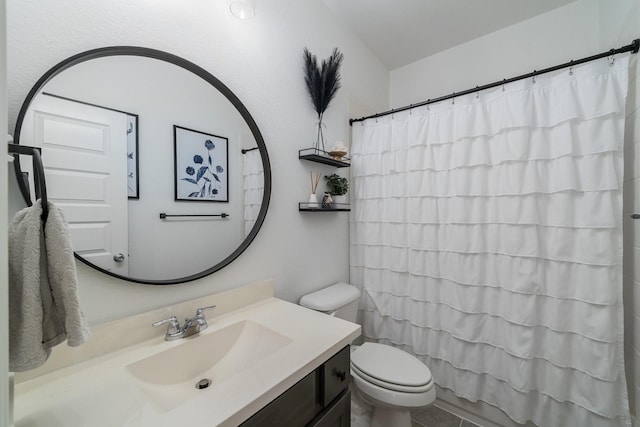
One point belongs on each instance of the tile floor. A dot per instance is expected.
(433, 416)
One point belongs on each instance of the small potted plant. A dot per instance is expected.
(338, 187)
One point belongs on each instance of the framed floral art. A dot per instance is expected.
(200, 166)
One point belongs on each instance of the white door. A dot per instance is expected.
(84, 156)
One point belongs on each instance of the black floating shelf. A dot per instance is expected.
(335, 207)
(320, 156)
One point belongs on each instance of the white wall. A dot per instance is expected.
(260, 60)
(543, 41)
(577, 30)
(620, 26)
(4, 296)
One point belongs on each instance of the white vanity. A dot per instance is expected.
(255, 349)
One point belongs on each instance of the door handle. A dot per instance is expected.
(119, 257)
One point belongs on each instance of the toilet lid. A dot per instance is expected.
(331, 298)
(390, 365)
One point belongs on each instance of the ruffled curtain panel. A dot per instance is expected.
(253, 187)
(486, 237)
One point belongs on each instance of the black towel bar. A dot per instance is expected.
(165, 215)
(40, 184)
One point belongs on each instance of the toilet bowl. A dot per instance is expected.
(390, 380)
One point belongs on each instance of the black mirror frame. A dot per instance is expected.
(195, 69)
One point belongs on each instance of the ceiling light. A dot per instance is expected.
(243, 9)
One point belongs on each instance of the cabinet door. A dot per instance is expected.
(335, 375)
(293, 408)
(336, 415)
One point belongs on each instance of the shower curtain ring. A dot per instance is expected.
(428, 105)
(503, 82)
(612, 60)
(477, 93)
(571, 68)
(453, 100)
(533, 81)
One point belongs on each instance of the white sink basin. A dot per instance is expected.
(169, 378)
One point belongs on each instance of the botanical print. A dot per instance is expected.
(132, 157)
(201, 161)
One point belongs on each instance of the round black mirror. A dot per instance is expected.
(161, 171)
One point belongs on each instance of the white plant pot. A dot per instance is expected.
(340, 199)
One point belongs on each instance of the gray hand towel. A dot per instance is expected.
(43, 301)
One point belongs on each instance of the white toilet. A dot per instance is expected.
(389, 379)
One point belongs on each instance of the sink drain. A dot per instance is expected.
(203, 383)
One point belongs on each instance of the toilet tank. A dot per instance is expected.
(340, 300)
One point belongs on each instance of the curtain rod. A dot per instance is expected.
(633, 48)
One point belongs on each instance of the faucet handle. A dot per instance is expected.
(173, 331)
(200, 319)
(200, 311)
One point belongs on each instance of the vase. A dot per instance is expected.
(313, 201)
(319, 144)
(327, 201)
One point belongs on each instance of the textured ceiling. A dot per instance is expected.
(403, 31)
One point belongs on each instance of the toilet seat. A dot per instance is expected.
(390, 368)
(387, 385)
(382, 396)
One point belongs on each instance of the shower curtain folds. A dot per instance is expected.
(252, 187)
(486, 236)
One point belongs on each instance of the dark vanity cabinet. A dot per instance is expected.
(321, 399)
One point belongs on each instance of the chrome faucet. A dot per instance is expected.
(191, 326)
(197, 323)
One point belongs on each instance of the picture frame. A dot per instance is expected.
(133, 165)
(201, 161)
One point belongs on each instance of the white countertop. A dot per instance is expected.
(100, 392)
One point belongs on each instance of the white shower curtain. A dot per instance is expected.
(486, 237)
(253, 188)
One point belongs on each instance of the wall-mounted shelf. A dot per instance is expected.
(320, 156)
(324, 157)
(335, 207)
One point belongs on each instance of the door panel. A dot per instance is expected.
(84, 156)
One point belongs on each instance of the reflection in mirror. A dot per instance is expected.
(126, 137)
